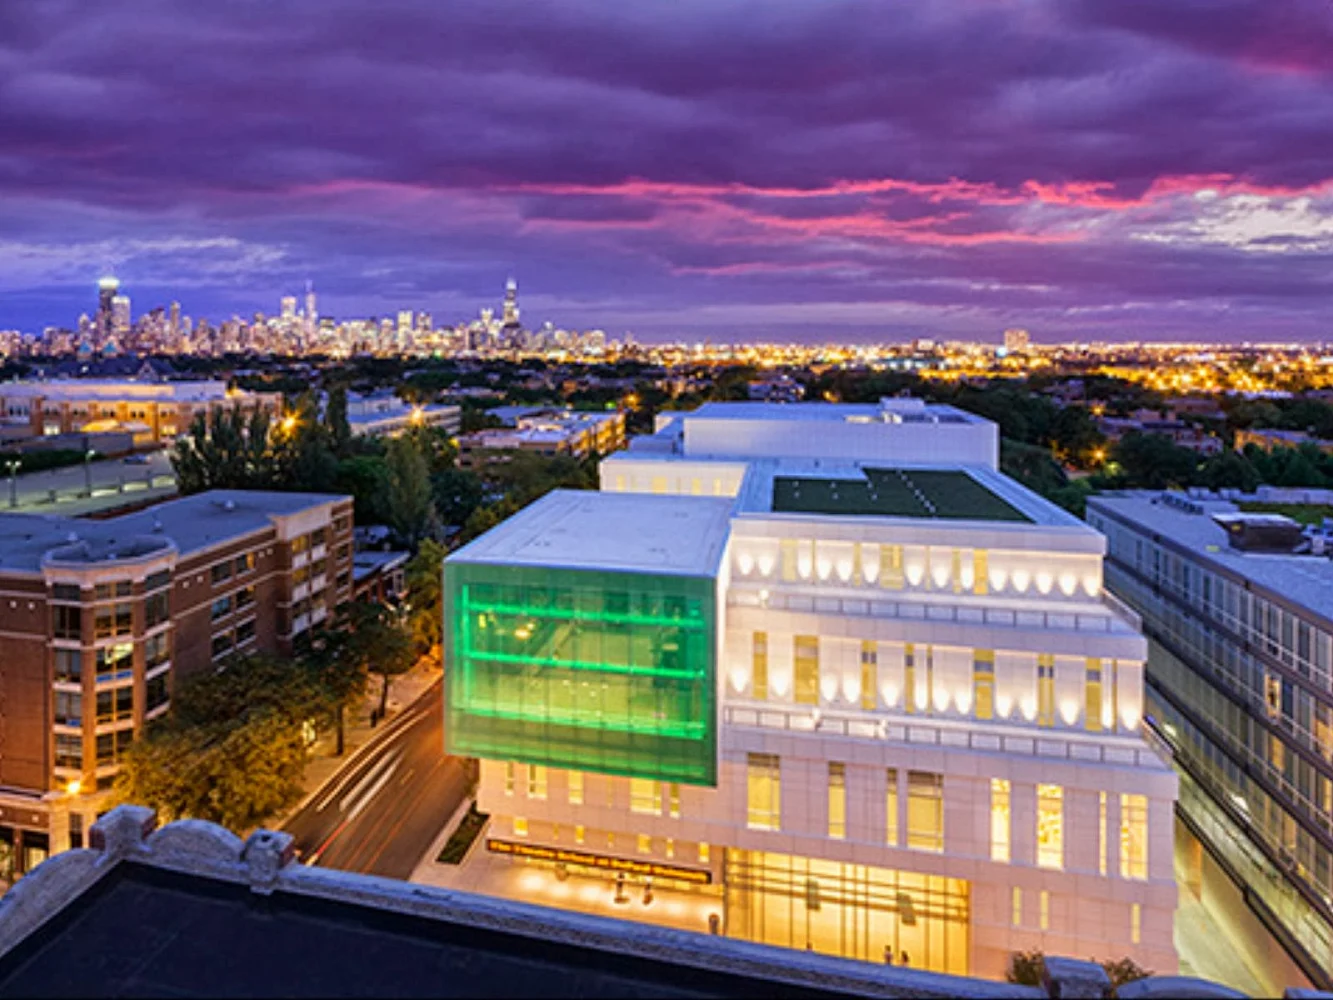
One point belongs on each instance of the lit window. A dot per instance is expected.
(1045, 690)
(1135, 923)
(869, 672)
(536, 782)
(787, 558)
(891, 566)
(576, 788)
(1050, 826)
(1017, 906)
(925, 811)
(645, 796)
(980, 573)
(520, 826)
(1273, 695)
(674, 795)
(1045, 910)
(837, 801)
(578, 834)
(763, 788)
(1101, 833)
(670, 848)
(509, 777)
(891, 808)
(983, 684)
(999, 819)
(1133, 836)
(1092, 687)
(703, 854)
(645, 844)
(807, 670)
(759, 666)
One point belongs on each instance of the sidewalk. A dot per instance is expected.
(405, 689)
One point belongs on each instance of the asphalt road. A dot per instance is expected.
(381, 812)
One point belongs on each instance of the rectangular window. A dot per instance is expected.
(69, 708)
(245, 632)
(156, 609)
(999, 819)
(1273, 695)
(1045, 910)
(759, 666)
(1135, 923)
(980, 573)
(66, 592)
(115, 661)
(114, 704)
(111, 745)
(576, 788)
(807, 669)
(245, 596)
(674, 794)
(1092, 689)
(520, 826)
(787, 559)
(703, 854)
(1101, 832)
(69, 750)
(891, 566)
(156, 581)
(925, 811)
(221, 572)
(221, 607)
(66, 622)
(509, 777)
(579, 833)
(645, 844)
(157, 691)
(1046, 690)
(983, 684)
(536, 781)
(891, 808)
(221, 644)
(837, 800)
(1016, 907)
(869, 675)
(68, 666)
(645, 796)
(909, 678)
(763, 792)
(1050, 826)
(1133, 836)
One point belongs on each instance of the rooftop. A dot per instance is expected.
(881, 492)
(1305, 580)
(889, 410)
(115, 389)
(215, 916)
(626, 532)
(193, 523)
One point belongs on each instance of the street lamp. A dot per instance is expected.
(88, 470)
(13, 466)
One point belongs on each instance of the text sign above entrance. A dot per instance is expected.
(602, 861)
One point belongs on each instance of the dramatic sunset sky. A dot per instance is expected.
(1121, 169)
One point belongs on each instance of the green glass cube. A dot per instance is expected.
(586, 670)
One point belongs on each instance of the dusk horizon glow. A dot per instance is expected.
(784, 172)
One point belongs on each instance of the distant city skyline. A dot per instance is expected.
(1085, 171)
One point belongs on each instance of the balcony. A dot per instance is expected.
(957, 734)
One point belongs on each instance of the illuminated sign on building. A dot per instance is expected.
(538, 853)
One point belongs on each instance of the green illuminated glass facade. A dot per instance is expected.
(580, 669)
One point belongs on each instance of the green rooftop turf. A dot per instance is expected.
(894, 493)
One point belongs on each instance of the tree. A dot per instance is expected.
(366, 478)
(457, 493)
(335, 419)
(1026, 968)
(365, 638)
(410, 504)
(392, 651)
(425, 596)
(225, 449)
(305, 455)
(1229, 469)
(1154, 461)
(1075, 436)
(231, 750)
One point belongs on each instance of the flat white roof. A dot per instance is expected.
(622, 532)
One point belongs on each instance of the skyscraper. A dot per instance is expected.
(107, 290)
(120, 316)
(1015, 340)
(311, 311)
(511, 303)
(289, 307)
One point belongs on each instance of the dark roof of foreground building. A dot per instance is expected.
(189, 910)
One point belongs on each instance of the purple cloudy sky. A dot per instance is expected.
(1122, 169)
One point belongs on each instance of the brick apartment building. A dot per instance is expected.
(97, 618)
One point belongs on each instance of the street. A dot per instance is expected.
(380, 814)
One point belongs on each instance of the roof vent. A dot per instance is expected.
(228, 504)
(157, 525)
(72, 537)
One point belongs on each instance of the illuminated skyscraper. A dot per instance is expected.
(311, 311)
(1015, 341)
(511, 303)
(120, 315)
(107, 290)
(289, 307)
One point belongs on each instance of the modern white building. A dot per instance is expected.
(827, 666)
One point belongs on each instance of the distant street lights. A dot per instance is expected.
(13, 466)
